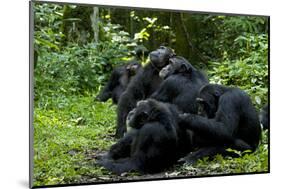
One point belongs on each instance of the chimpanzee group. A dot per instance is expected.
(169, 113)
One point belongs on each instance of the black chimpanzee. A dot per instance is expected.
(150, 145)
(181, 84)
(142, 85)
(180, 87)
(119, 80)
(264, 116)
(141, 52)
(227, 119)
(121, 76)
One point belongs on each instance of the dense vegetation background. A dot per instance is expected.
(76, 48)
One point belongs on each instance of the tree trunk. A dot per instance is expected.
(95, 23)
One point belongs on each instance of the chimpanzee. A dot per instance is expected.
(227, 119)
(119, 80)
(141, 52)
(180, 87)
(150, 145)
(264, 117)
(142, 85)
(122, 75)
(181, 84)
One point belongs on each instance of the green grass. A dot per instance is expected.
(65, 135)
(70, 132)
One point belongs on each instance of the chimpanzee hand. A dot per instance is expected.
(186, 117)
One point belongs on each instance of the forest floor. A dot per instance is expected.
(70, 132)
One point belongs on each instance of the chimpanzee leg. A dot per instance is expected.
(192, 157)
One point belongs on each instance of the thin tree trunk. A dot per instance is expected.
(95, 23)
(171, 26)
(131, 25)
(188, 39)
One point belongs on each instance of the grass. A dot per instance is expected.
(69, 132)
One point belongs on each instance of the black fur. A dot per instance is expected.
(264, 117)
(119, 80)
(181, 85)
(142, 86)
(150, 145)
(141, 52)
(230, 121)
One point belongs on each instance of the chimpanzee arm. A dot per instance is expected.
(126, 103)
(221, 128)
(113, 82)
(219, 131)
(122, 148)
(241, 145)
(119, 166)
(166, 91)
(105, 94)
(161, 94)
(206, 127)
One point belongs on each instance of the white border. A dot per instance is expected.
(14, 74)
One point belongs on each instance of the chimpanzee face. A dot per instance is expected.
(208, 101)
(160, 57)
(146, 111)
(176, 65)
(141, 52)
(133, 67)
(139, 115)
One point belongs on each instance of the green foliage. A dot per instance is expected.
(76, 24)
(48, 20)
(150, 27)
(249, 72)
(76, 69)
(224, 31)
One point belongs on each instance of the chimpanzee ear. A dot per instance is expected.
(185, 69)
(173, 54)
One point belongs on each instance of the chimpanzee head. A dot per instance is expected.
(133, 67)
(145, 111)
(141, 52)
(177, 65)
(208, 100)
(160, 57)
